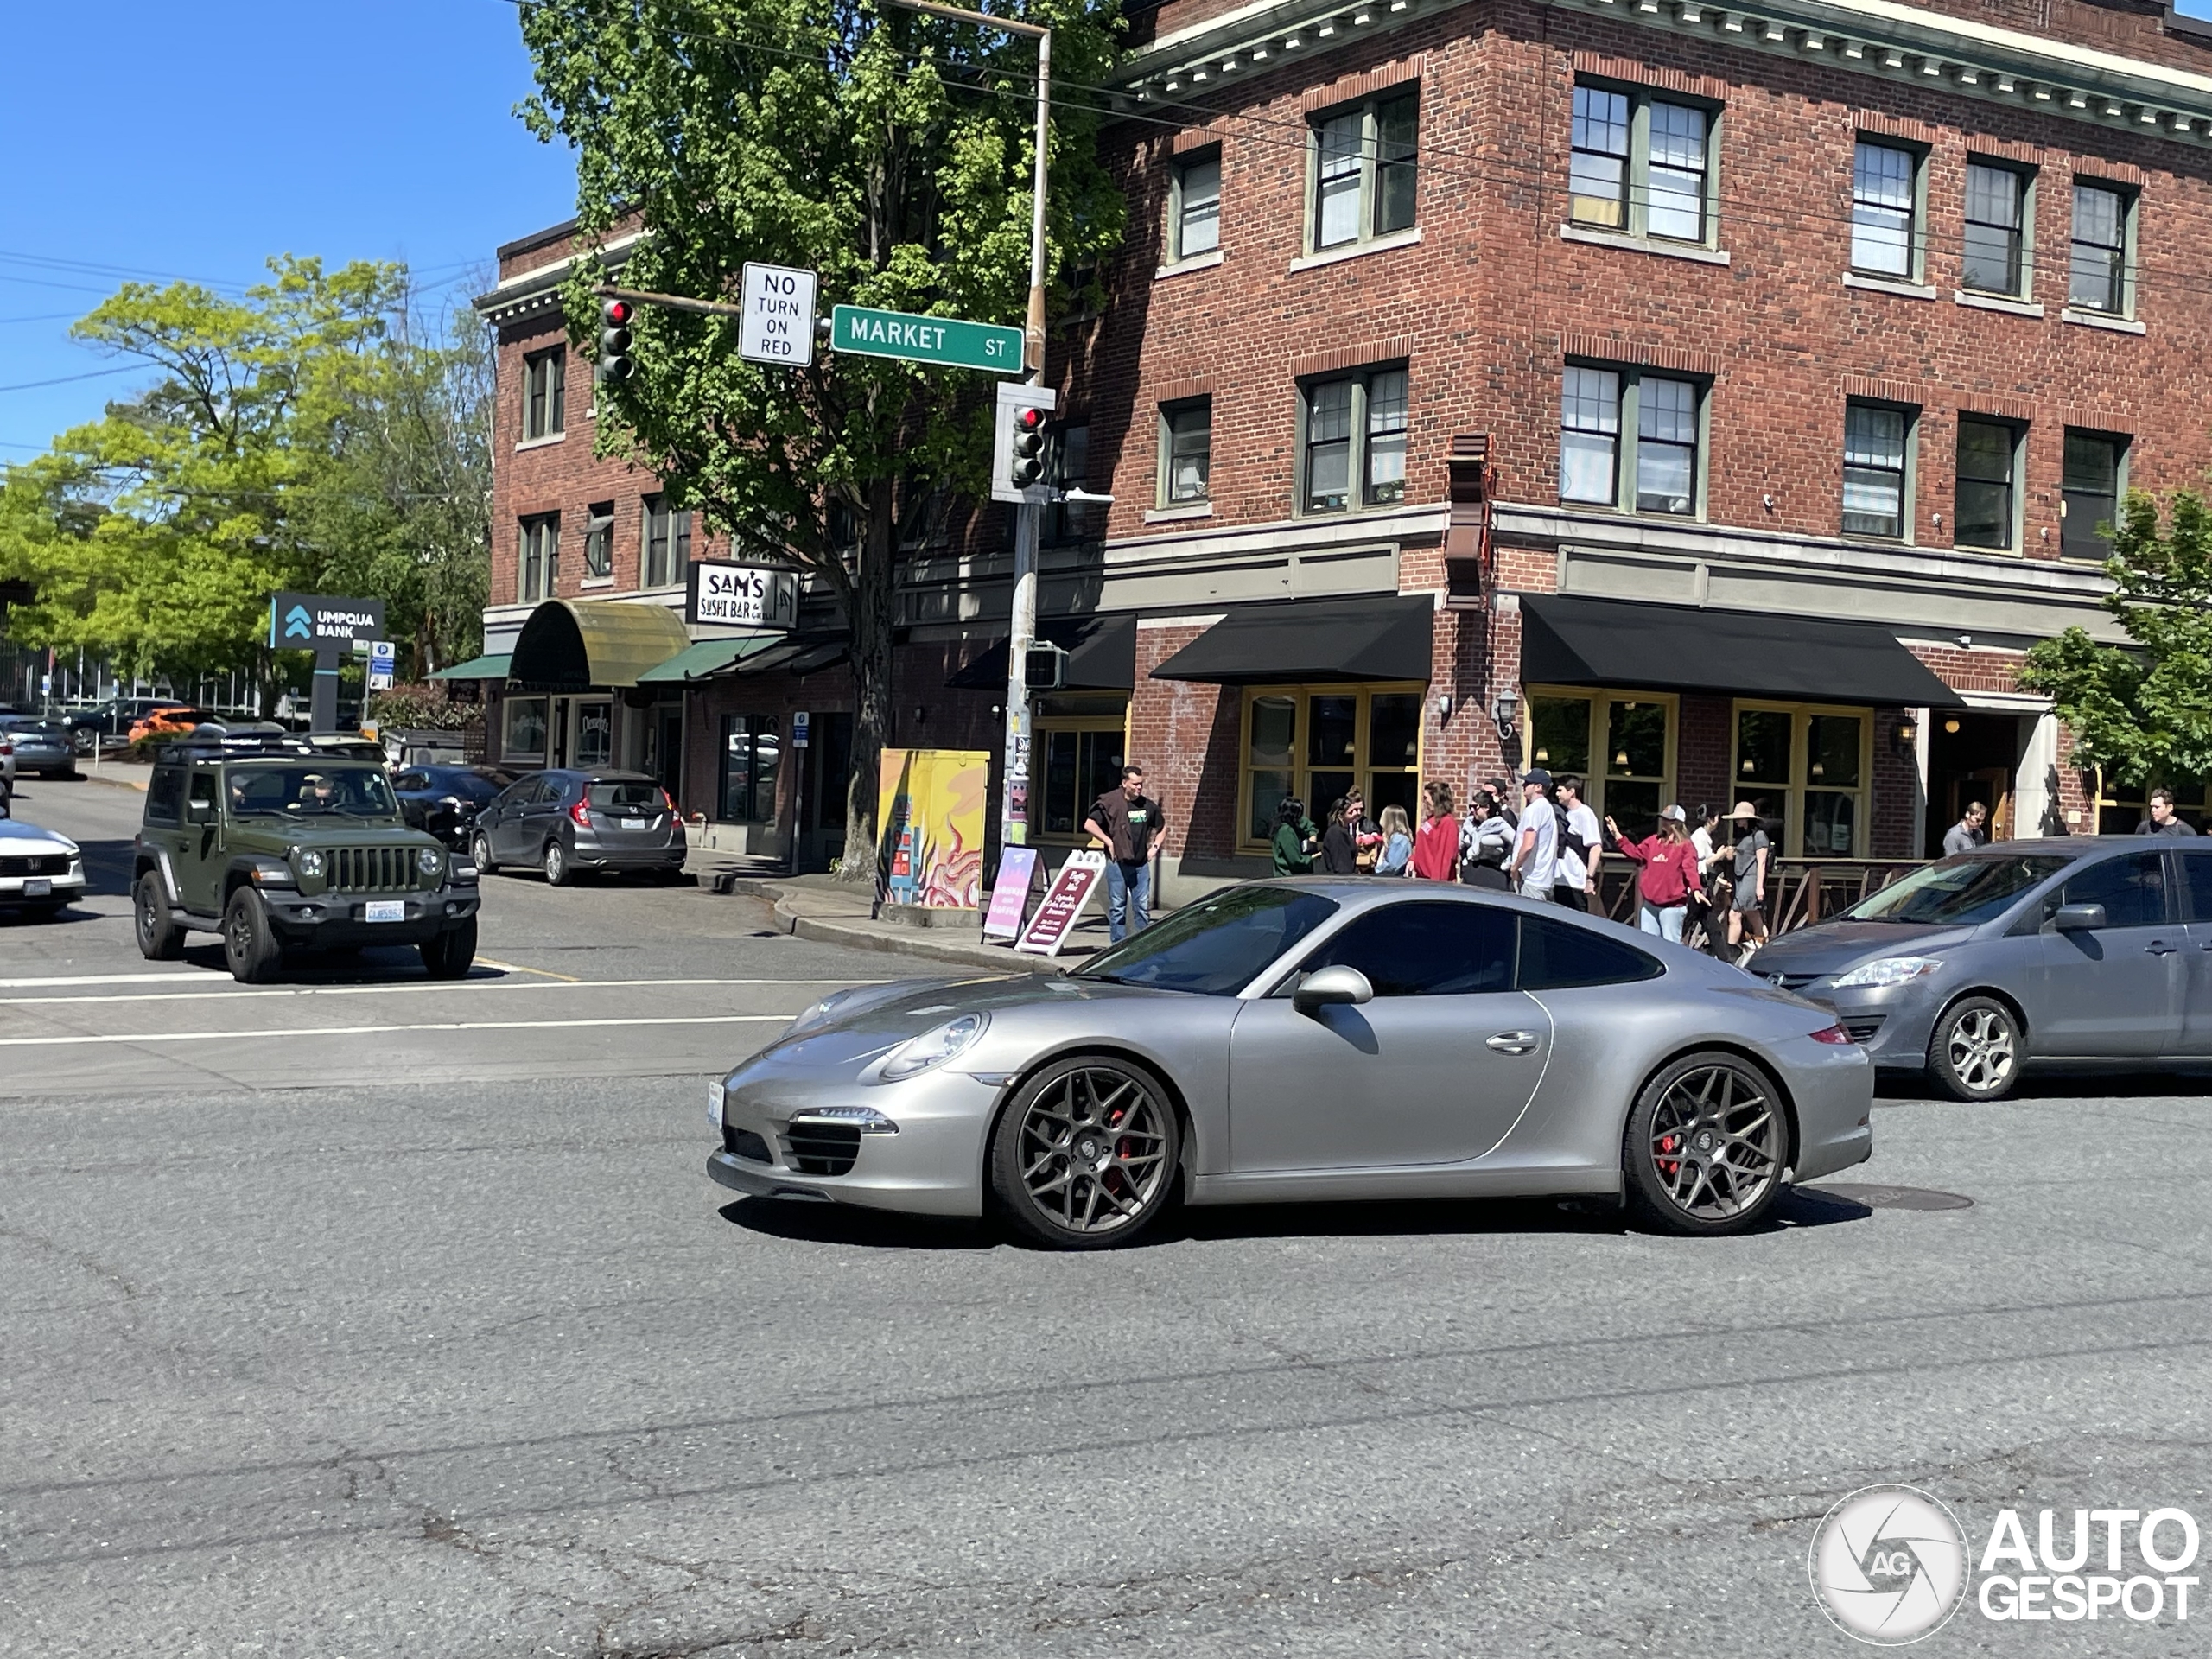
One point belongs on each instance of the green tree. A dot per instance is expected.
(2142, 711)
(889, 152)
(298, 436)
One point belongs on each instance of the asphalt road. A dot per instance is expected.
(363, 1318)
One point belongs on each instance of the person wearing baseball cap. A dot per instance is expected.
(1747, 904)
(1536, 855)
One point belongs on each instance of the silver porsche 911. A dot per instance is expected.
(1308, 1040)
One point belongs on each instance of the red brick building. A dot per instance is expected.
(1811, 348)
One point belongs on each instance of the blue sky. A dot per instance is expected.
(196, 138)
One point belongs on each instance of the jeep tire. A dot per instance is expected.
(450, 954)
(160, 938)
(252, 951)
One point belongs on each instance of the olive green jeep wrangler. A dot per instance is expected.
(275, 844)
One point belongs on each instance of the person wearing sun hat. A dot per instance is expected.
(1754, 852)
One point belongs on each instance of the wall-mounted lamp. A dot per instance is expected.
(1505, 711)
(1907, 737)
(1443, 706)
(1952, 727)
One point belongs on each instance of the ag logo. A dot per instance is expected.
(1889, 1565)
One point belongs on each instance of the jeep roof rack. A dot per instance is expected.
(212, 742)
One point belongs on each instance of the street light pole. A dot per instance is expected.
(1028, 522)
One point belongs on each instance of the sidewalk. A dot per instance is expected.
(830, 912)
(123, 774)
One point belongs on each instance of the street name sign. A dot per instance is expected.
(990, 346)
(777, 325)
(742, 596)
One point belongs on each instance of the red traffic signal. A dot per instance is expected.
(614, 340)
(615, 313)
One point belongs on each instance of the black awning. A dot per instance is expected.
(1737, 653)
(1102, 656)
(1300, 641)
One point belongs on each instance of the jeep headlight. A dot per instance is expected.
(1887, 971)
(428, 860)
(932, 1048)
(310, 861)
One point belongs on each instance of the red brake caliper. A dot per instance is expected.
(1669, 1142)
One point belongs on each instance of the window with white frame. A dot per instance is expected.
(1194, 205)
(1641, 165)
(1632, 440)
(1186, 453)
(537, 558)
(1365, 163)
(1997, 219)
(1885, 195)
(1877, 469)
(2097, 277)
(544, 378)
(667, 544)
(1355, 449)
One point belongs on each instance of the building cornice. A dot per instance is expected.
(529, 293)
(1907, 46)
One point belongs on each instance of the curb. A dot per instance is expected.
(91, 777)
(822, 929)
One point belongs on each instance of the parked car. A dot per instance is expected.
(567, 822)
(40, 870)
(2022, 954)
(1308, 1040)
(270, 843)
(39, 746)
(175, 720)
(111, 720)
(445, 800)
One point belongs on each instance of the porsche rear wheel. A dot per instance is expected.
(1706, 1146)
(1085, 1155)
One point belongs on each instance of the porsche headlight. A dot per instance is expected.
(310, 861)
(1887, 971)
(932, 1048)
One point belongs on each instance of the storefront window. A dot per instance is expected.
(1806, 771)
(1078, 744)
(2121, 806)
(594, 733)
(1631, 776)
(1321, 742)
(525, 738)
(752, 749)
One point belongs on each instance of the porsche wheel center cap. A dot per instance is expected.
(1704, 1142)
(1086, 1149)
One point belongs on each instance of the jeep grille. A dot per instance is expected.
(372, 869)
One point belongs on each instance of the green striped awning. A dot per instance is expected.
(477, 668)
(696, 661)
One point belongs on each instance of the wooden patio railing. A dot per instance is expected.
(1799, 891)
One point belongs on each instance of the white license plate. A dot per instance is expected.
(633, 824)
(37, 886)
(384, 909)
(714, 1106)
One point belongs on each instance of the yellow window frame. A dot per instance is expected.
(1361, 765)
(1788, 844)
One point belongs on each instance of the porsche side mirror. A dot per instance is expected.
(1327, 985)
(2077, 918)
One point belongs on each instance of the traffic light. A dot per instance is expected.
(614, 362)
(1020, 443)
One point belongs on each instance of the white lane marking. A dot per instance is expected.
(373, 1031)
(107, 979)
(238, 991)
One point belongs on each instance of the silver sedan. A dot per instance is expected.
(1308, 1040)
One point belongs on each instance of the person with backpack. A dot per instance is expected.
(1485, 844)
(1580, 846)
(1535, 867)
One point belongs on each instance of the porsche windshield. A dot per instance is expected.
(1959, 892)
(1216, 946)
(310, 791)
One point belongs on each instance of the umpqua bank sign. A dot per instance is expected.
(1891, 1564)
(322, 622)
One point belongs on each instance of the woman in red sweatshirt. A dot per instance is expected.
(1669, 874)
(1436, 844)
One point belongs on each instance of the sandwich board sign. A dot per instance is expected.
(1010, 896)
(777, 325)
(1063, 904)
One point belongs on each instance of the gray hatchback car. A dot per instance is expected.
(2026, 952)
(565, 822)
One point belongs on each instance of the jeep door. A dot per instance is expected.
(200, 870)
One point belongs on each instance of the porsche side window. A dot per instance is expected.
(2133, 890)
(1424, 950)
(1555, 956)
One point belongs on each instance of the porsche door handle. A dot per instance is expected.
(1513, 1042)
(2159, 948)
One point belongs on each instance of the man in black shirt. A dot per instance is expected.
(2163, 821)
(1130, 823)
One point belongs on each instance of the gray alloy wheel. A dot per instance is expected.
(252, 952)
(481, 851)
(559, 873)
(1706, 1146)
(160, 939)
(1976, 1051)
(1085, 1155)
